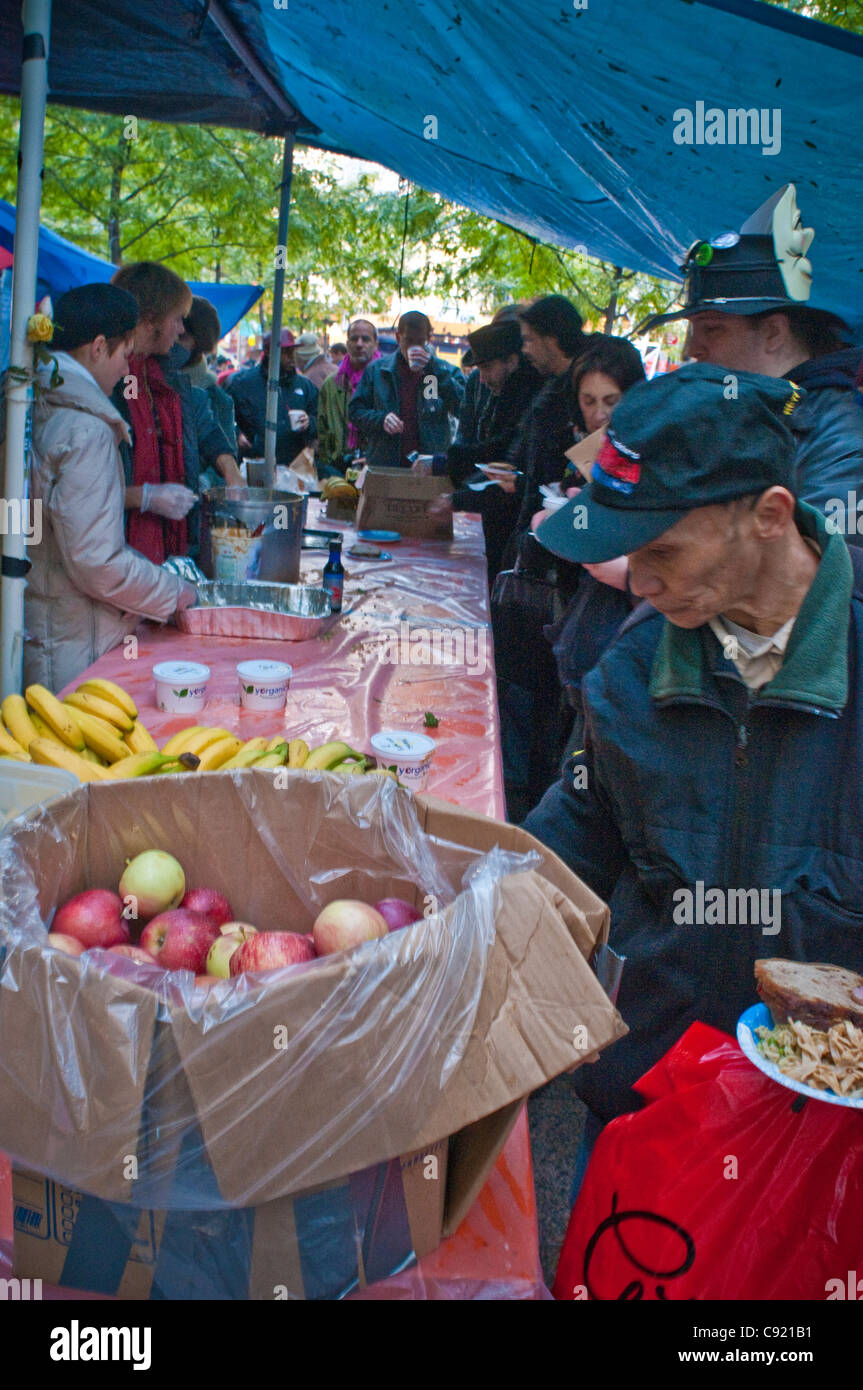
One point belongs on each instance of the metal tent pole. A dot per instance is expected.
(276, 327)
(36, 17)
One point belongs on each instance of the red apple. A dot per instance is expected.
(212, 905)
(267, 950)
(179, 940)
(230, 939)
(95, 918)
(69, 944)
(346, 923)
(135, 953)
(397, 913)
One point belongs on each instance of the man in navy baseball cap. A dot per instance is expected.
(687, 439)
(722, 754)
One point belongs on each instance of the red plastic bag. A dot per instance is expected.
(719, 1189)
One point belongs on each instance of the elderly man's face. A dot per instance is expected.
(361, 343)
(705, 565)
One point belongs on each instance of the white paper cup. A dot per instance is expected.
(295, 417)
(409, 753)
(181, 686)
(264, 684)
(416, 358)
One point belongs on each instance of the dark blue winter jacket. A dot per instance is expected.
(693, 778)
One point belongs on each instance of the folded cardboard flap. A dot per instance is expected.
(395, 499)
(587, 914)
(472, 1153)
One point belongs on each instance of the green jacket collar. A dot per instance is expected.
(815, 670)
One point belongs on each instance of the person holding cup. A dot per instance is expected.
(404, 401)
(298, 403)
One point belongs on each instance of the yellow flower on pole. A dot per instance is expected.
(40, 329)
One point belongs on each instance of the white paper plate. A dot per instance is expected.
(758, 1016)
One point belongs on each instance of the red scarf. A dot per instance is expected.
(350, 380)
(157, 457)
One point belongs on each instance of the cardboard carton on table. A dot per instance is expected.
(298, 1134)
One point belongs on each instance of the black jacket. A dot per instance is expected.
(540, 445)
(828, 425)
(689, 777)
(248, 391)
(497, 423)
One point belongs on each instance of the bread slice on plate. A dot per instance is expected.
(819, 995)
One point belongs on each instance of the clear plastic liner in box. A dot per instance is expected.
(258, 1086)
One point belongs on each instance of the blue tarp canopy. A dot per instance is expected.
(62, 265)
(558, 118)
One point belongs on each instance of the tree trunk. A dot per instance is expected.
(611, 308)
(118, 164)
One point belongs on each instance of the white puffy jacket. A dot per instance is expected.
(87, 587)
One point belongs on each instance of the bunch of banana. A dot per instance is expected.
(340, 489)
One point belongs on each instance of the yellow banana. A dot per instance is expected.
(140, 740)
(273, 743)
(52, 711)
(11, 748)
(51, 754)
(383, 772)
(43, 730)
(138, 765)
(94, 704)
(204, 739)
(276, 759)
(114, 694)
(260, 745)
(298, 752)
(219, 753)
(323, 758)
(104, 739)
(89, 756)
(245, 757)
(16, 717)
(177, 742)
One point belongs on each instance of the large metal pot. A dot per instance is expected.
(251, 533)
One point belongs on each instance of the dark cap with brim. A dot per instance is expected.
(697, 437)
(587, 532)
(495, 341)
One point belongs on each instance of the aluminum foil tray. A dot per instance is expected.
(290, 612)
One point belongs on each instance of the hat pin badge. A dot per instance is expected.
(725, 241)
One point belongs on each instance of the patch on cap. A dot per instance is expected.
(616, 466)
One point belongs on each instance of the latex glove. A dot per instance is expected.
(393, 424)
(188, 596)
(171, 500)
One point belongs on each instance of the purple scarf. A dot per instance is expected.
(352, 376)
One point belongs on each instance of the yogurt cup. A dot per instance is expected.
(264, 684)
(409, 753)
(181, 686)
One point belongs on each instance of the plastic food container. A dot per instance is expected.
(181, 686)
(23, 785)
(409, 753)
(264, 684)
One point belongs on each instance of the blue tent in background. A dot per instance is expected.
(559, 119)
(63, 265)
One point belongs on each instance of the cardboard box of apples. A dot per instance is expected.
(312, 1120)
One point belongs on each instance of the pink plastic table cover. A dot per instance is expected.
(413, 638)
